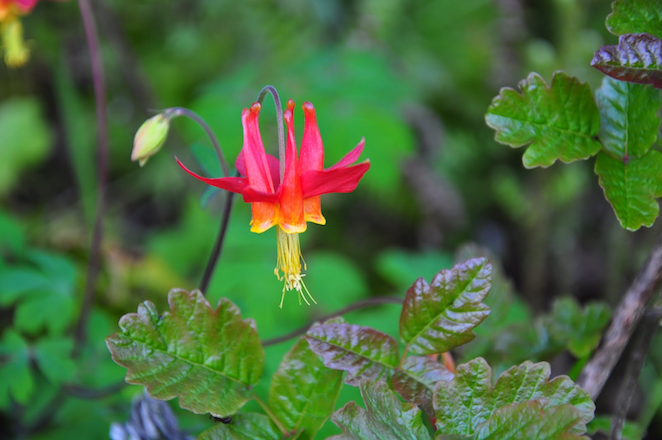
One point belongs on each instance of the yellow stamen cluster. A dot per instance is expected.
(289, 263)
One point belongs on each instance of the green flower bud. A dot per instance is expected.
(150, 138)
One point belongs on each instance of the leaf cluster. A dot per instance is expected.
(211, 358)
(620, 125)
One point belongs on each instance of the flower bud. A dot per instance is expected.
(16, 52)
(150, 138)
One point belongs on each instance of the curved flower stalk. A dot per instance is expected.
(11, 11)
(290, 200)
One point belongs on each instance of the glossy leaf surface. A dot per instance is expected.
(416, 379)
(637, 58)
(635, 16)
(243, 426)
(469, 400)
(441, 316)
(631, 187)
(385, 418)
(361, 351)
(303, 391)
(208, 358)
(557, 122)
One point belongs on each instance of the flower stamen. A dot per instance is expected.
(289, 263)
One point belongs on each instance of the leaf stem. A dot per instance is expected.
(270, 414)
(93, 268)
(403, 357)
(350, 308)
(279, 119)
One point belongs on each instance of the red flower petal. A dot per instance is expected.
(291, 199)
(312, 149)
(333, 180)
(252, 195)
(350, 157)
(274, 167)
(255, 159)
(232, 184)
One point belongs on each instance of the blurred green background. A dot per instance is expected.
(414, 77)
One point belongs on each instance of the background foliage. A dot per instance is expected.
(415, 77)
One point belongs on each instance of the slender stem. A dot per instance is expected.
(403, 357)
(218, 246)
(647, 329)
(92, 393)
(93, 268)
(181, 111)
(279, 119)
(271, 415)
(356, 306)
(628, 314)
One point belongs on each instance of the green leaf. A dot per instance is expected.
(471, 398)
(361, 351)
(628, 114)
(303, 391)
(635, 16)
(441, 316)
(533, 420)
(579, 329)
(416, 379)
(53, 359)
(16, 381)
(637, 58)
(16, 282)
(385, 417)
(243, 426)
(631, 187)
(560, 122)
(208, 358)
(26, 139)
(44, 310)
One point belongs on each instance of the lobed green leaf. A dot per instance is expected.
(628, 114)
(631, 187)
(303, 391)
(16, 381)
(635, 16)
(637, 58)
(416, 378)
(385, 417)
(441, 316)
(243, 426)
(559, 122)
(469, 400)
(361, 351)
(208, 358)
(533, 420)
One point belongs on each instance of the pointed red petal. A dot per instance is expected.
(336, 180)
(350, 157)
(252, 195)
(232, 184)
(312, 149)
(255, 159)
(291, 199)
(274, 167)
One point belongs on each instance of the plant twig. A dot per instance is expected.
(647, 329)
(628, 314)
(279, 120)
(350, 308)
(93, 268)
(218, 246)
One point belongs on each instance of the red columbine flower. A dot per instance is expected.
(290, 202)
(16, 53)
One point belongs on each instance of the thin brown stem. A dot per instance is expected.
(649, 325)
(356, 306)
(93, 268)
(218, 245)
(628, 314)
